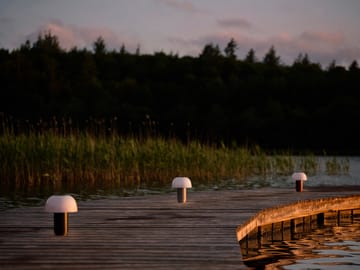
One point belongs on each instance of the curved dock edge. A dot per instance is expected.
(297, 210)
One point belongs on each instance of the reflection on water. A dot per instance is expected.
(331, 242)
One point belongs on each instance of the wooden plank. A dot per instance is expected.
(297, 210)
(149, 232)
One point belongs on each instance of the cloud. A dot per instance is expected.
(235, 23)
(320, 46)
(183, 46)
(322, 37)
(194, 46)
(67, 36)
(5, 20)
(74, 36)
(180, 5)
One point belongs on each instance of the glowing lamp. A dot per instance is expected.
(299, 178)
(181, 184)
(61, 206)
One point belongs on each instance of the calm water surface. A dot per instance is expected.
(330, 247)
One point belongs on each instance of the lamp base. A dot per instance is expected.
(61, 223)
(299, 185)
(181, 195)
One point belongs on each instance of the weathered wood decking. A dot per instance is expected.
(150, 232)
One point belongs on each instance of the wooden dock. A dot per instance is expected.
(148, 232)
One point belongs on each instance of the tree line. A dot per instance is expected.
(213, 97)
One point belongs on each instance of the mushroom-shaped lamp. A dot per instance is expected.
(181, 184)
(299, 178)
(61, 206)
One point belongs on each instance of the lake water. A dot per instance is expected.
(333, 245)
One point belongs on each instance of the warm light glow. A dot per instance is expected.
(61, 204)
(299, 176)
(181, 182)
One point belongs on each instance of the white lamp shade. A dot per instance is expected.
(181, 182)
(299, 176)
(61, 204)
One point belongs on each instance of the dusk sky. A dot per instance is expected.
(325, 29)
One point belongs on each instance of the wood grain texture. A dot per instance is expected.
(149, 232)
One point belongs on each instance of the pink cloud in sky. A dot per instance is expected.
(322, 37)
(74, 36)
(67, 36)
(320, 46)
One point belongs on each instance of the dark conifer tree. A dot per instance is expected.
(230, 49)
(271, 58)
(250, 57)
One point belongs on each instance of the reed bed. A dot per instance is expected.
(51, 161)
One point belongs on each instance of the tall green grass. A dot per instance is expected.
(81, 161)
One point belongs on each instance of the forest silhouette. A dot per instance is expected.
(214, 98)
